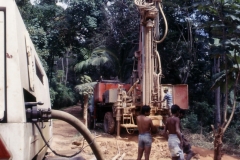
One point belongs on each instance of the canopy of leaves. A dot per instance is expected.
(99, 62)
(86, 87)
(100, 38)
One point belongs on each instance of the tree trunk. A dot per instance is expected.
(51, 69)
(63, 70)
(85, 109)
(218, 106)
(218, 135)
(217, 95)
(66, 75)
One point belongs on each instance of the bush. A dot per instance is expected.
(232, 135)
(191, 122)
(52, 95)
(64, 97)
(61, 95)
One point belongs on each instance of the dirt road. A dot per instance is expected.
(67, 141)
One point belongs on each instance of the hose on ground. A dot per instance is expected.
(53, 151)
(76, 123)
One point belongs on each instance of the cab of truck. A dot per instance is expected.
(23, 86)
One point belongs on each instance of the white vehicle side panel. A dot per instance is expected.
(22, 139)
(2, 67)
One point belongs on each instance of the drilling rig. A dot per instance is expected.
(117, 104)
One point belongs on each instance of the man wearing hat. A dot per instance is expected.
(168, 98)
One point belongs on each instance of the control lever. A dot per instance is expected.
(30, 104)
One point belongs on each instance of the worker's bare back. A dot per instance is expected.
(144, 124)
(172, 125)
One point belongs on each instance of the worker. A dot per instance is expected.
(145, 126)
(173, 134)
(168, 98)
(186, 145)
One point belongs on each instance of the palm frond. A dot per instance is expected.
(86, 88)
(99, 57)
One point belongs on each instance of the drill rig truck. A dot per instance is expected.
(116, 104)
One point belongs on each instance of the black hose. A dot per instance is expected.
(76, 123)
(57, 154)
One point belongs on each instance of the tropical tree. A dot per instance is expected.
(178, 51)
(60, 33)
(223, 28)
(122, 33)
(99, 62)
(85, 90)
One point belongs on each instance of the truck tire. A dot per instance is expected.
(109, 123)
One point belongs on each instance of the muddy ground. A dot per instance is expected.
(67, 141)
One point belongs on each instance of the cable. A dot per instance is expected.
(57, 154)
(165, 22)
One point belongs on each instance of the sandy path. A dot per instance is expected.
(66, 140)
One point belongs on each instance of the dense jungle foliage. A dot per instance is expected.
(80, 40)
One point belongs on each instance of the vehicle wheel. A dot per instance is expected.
(109, 123)
(89, 121)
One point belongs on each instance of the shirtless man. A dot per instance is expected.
(173, 134)
(145, 126)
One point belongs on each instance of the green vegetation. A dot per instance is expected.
(93, 38)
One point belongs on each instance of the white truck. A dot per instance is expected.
(23, 83)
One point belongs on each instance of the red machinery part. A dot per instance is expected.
(4, 152)
(180, 95)
(100, 88)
